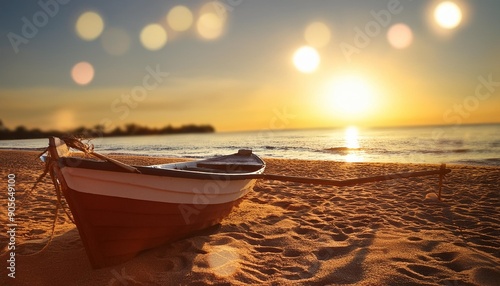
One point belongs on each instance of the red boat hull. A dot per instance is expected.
(115, 230)
(121, 210)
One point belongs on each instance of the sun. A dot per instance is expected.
(448, 15)
(351, 95)
(306, 59)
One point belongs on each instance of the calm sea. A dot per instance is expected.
(467, 144)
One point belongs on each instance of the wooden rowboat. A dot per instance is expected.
(122, 211)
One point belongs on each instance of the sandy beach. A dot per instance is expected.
(386, 233)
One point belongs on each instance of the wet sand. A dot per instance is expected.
(385, 233)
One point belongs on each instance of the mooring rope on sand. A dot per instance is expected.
(50, 168)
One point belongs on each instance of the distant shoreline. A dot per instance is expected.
(468, 145)
(22, 132)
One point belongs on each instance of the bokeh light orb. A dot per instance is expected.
(82, 73)
(115, 41)
(400, 36)
(180, 18)
(210, 26)
(212, 20)
(448, 15)
(89, 26)
(317, 34)
(306, 59)
(153, 37)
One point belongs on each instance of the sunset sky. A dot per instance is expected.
(249, 64)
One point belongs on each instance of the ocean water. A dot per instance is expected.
(466, 144)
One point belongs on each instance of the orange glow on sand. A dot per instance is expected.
(223, 260)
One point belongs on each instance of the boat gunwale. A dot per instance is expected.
(104, 166)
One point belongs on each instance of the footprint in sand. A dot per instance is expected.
(255, 235)
(409, 273)
(37, 231)
(268, 249)
(423, 270)
(445, 256)
(326, 253)
(304, 230)
(292, 253)
(176, 263)
(486, 276)
(340, 236)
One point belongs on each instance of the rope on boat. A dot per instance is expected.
(88, 149)
(77, 143)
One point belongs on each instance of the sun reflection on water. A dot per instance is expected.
(351, 138)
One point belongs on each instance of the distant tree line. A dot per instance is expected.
(22, 132)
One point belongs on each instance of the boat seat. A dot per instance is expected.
(230, 167)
